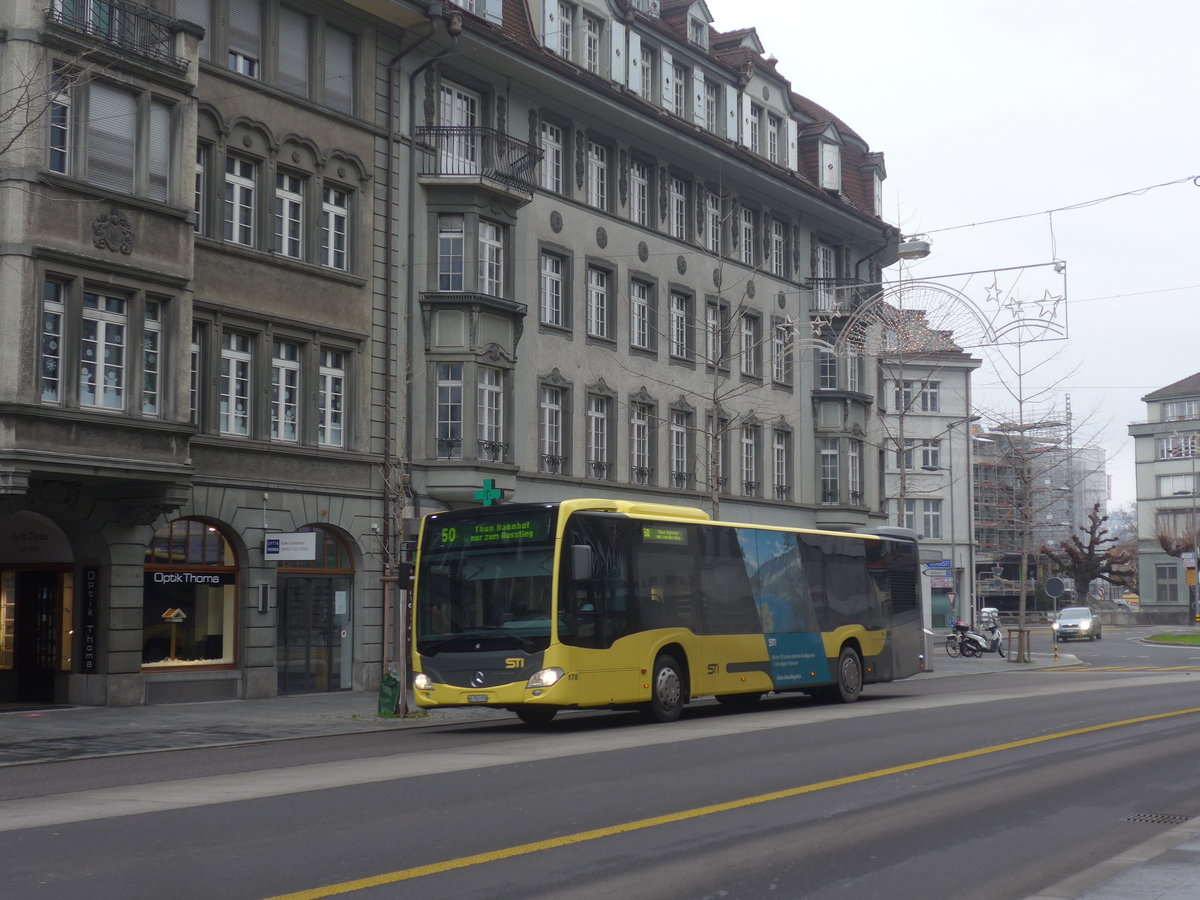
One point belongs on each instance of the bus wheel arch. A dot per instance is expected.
(848, 675)
(669, 685)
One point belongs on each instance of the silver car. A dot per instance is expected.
(1076, 622)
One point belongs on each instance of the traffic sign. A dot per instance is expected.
(940, 564)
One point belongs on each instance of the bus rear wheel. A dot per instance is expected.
(535, 715)
(666, 691)
(849, 678)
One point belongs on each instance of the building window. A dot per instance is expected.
(716, 334)
(716, 456)
(681, 306)
(597, 303)
(854, 472)
(245, 37)
(749, 444)
(289, 215)
(236, 364)
(831, 167)
(931, 454)
(1178, 446)
(450, 253)
(566, 24)
(648, 72)
(331, 397)
(680, 98)
(678, 208)
(756, 114)
(241, 176)
(781, 353)
(639, 315)
(339, 69)
(550, 430)
(1181, 409)
(1166, 583)
(551, 290)
(491, 258)
(335, 217)
(827, 370)
(103, 338)
(749, 228)
(905, 458)
(597, 176)
(196, 374)
(1170, 485)
(152, 342)
(680, 436)
(826, 294)
(449, 411)
(712, 106)
(929, 523)
(712, 223)
(698, 32)
(53, 309)
(853, 376)
(458, 111)
(285, 391)
(60, 122)
(552, 157)
(592, 30)
(924, 396)
(780, 463)
(779, 249)
(774, 127)
(201, 188)
(751, 338)
(597, 436)
(295, 30)
(640, 452)
(490, 411)
(639, 192)
(830, 471)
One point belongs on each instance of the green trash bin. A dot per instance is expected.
(389, 694)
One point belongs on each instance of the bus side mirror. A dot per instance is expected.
(581, 562)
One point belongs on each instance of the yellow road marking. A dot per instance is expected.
(580, 837)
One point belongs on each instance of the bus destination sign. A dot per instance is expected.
(466, 533)
(661, 534)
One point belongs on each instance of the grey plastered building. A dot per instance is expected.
(281, 277)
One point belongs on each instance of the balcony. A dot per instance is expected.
(837, 296)
(474, 155)
(133, 29)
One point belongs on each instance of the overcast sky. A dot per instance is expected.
(988, 110)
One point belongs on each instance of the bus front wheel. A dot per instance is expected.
(535, 715)
(666, 690)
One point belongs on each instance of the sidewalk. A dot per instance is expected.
(1167, 867)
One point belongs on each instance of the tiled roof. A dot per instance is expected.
(1183, 387)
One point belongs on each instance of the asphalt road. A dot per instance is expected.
(975, 786)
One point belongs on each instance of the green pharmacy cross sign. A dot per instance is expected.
(489, 493)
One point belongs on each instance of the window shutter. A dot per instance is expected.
(293, 51)
(666, 96)
(245, 28)
(112, 130)
(618, 71)
(731, 112)
(200, 12)
(635, 62)
(793, 143)
(159, 155)
(700, 101)
(831, 167)
(550, 25)
(339, 70)
(747, 111)
(493, 11)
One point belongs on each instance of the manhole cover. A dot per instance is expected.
(1158, 819)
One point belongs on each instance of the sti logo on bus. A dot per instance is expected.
(514, 662)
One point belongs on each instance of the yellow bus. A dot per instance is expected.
(588, 604)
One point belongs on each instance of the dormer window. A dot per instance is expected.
(698, 32)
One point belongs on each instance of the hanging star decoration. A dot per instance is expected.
(1048, 305)
(821, 325)
(993, 292)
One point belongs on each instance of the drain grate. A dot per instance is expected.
(1158, 819)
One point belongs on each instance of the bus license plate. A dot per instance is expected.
(477, 698)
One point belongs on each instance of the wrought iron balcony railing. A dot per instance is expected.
(492, 450)
(461, 151)
(554, 465)
(641, 474)
(681, 479)
(783, 492)
(133, 28)
(598, 469)
(449, 448)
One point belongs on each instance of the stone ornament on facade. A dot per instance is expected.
(643, 251)
(681, 265)
(623, 177)
(556, 221)
(601, 237)
(580, 164)
(112, 231)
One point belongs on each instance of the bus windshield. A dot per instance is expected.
(484, 581)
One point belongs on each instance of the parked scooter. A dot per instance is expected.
(988, 639)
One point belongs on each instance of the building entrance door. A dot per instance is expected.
(313, 645)
(31, 615)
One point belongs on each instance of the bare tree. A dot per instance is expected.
(1091, 555)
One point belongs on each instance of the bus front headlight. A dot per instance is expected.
(422, 682)
(544, 678)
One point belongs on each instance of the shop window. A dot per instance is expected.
(189, 603)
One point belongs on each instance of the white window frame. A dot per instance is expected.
(677, 200)
(550, 429)
(829, 471)
(781, 359)
(680, 89)
(285, 391)
(289, 214)
(680, 323)
(450, 411)
(103, 342)
(639, 314)
(751, 326)
(335, 226)
(597, 437)
(749, 443)
(597, 176)
(779, 455)
(331, 398)
(680, 427)
(639, 443)
(491, 258)
(598, 309)
(779, 249)
(552, 157)
(152, 357)
(236, 383)
(451, 261)
(748, 226)
(489, 428)
(550, 290)
(593, 33)
(712, 212)
(639, 192)
(241, 210)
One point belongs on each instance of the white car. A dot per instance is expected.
(1076, 622)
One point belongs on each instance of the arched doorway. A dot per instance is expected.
(315, 638)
